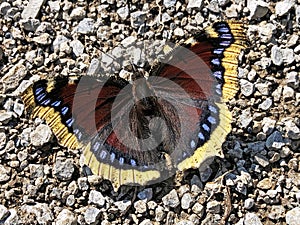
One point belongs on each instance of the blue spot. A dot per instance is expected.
(216, 62)
(212, 109)
(39, 98)
(226, 36)
(112, 157)
(218, 74)
(103, 154)
(218, 51)
(121, 160)
(70, 122)
(223, 30)
(96, 146)
(46, 102)
(193, 144)
(201, 136)
(38, 90)
(132, 162)
(205, 127)
(212, 120)
(64, 110)
(225, 43)
(56, 103)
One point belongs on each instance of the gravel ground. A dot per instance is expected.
(43, 183)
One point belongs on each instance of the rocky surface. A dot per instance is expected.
(43, 183)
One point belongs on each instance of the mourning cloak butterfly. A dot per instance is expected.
(139, 133)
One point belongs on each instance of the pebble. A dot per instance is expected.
(30, 24)
(83, 184)
(4, 173)
(95, 67)
(12, 78)
(92, 215)
(247, 88)
(288, 93)
(128, 41)
(261, 160)
(77, 47)
(283, 7)
(266, 104)
(146, 222)
(179, 32)
(245, 118)
(292, 216)
(66, 217)
(187, 201)
(18, 108)
(185, 222)
(43, 39)
(292, 79)
(214, 207)
(276, 55)
(4, 213)
(169, 3)
(123, 205)
(64, 169)
(198, 209)
(36, 171)
(249, 203)
(54, 6)
(140, 206)
(257, 8)
(86, 26)
(146, 194)
(159, 213)
(78, 13)
(32, 9)
(197, 4)
(58, 41)
(265, 184)
(252, 219)
(13, 218)
(277, 212)
(171, 199)
(275, 141)
(137, 19)
(41, 135)
(268, 125)
(5, 117)
(97, 198)
(41, 211)
(123, 12)
(293, 131)
(4, 7)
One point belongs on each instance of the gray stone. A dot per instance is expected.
(128, 41)
(293, 131)
(205, 173)
(249, 203)
(123, 12)
(288, 93)
(59, 40)
(4, 213)
(198, 4)
(78, 13)
(41, 211)
(95, 67)
(18, 108)
(5, 6)
(41, 135)
(268, 125)
(12, 78)
(275, 141)
(266, 104)
(179, 32)
(146, 222)
(64, 169)
(13, 218)
(66, 217)
(261, 160)
(42, 39)
(97, 198)
(107, 60)
(2, 140)
(214, 207)
(140, 206)
(92, 215)
(86, 26)
(77, 47)
(166, 17)
(252, 219)
(159, 213)
(187, 201)
(30, 24)
(214, 6)
(247, 88)
(257, 9)
(198, 209)
(36, 170)
(171, 199)
(137, 18)
(123, 205)
(292, 40)
(32, 9)
(276, 55)
(292, 216)
(288, 55)
(5, 117)
(223, 2)
(146, 194)
(265, 184)
(245, 118)
(283, 7)
(292, 79)
(4, 173)
(83, 184)
(232, 11)
(169, 3)
(70, 201)
(54, 6)
(185, 222)
(263, 88)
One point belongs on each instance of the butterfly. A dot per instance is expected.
(142, 132)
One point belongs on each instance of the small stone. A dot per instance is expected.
(4, 213)
(146, 194)
(247, 88)
(293, 131)
(3, 140)
(146, 222)
(159, 213)
(123, 12)
(249, 203)
(186, 201)
(30, 24)
(70, 201)
(214, 207)
(5, 6)
(128, 41)
(41, 211)
(5, 117)
(292, 79)
(140, 206)
(95, 67)
(107, 60)
(59, 40)
(261, 160)
(41, 135)
(245, 118)
(268, 125)
(265, 184)
(198, 4)
(66, 217)
(43, 39)
(171, 199)
(54, 6)
(283, 7)
(205, 173)
(137, 19)
(292, 216)
(12, 78)
(123, 205)
(78, 13)
(257, 9)
(13, 218)
(288, 93)
(252, 219)
(77, 47)
(198, 209)
(86, 26)
(36, 171)
(263, 88)
(266, 104)
(178, 32)
(166, 17)
(288, 55)
(83, 184)
(275, 141)
(276, 55)
(185, 222)
(169, 3)
(292, 40)
(32, 9)
(277, 212)
(214, 6)
(232, 11)
(64, 169)
(92, 215)
(97, 198)
(18, 108)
